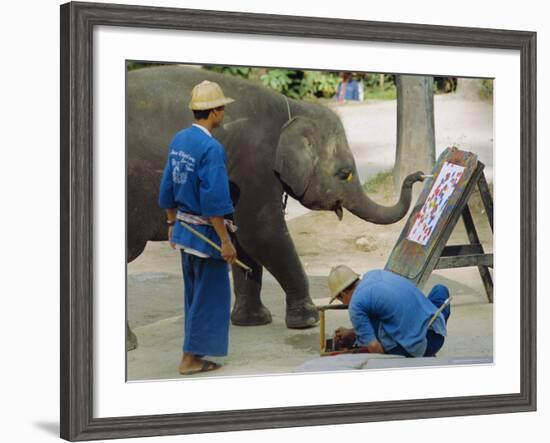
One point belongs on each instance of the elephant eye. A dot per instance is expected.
(345, 175)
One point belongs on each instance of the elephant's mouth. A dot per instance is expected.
(339, 211)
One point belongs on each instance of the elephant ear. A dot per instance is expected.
(295, 159)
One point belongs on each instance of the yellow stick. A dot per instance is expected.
(214, 245)
(322, 331)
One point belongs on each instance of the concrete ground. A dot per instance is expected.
(155, 312)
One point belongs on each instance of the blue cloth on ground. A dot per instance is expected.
(207, 305)
(388, 307)
(195, 181)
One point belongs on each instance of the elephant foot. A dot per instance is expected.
(245, 316)
(302, 316)
(131, 339)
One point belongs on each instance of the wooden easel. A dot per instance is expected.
(471, 254)
(445, 256)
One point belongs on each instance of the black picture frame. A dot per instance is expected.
(77, 23)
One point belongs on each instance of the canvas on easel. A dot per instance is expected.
(422, 245)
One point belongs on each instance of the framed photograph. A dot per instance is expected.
(432, 128)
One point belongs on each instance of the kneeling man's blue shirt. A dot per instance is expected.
(388, 307)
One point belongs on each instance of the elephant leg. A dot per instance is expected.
(131, 339)
(248, 309)
(273, 249)
(133, 251)
(283, 263)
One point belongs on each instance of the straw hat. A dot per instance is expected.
(207, 95)
(339, 279)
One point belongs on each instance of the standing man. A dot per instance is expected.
(195, 189)
(389, 313)
(349, 88)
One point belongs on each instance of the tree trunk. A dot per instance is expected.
(415, 128)
(469, 88)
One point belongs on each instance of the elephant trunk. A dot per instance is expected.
(368, 210)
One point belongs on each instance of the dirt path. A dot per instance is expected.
(371, 129)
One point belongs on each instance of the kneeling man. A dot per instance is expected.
(389, 313)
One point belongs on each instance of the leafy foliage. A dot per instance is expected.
(318, 84)
(380, 87)
(373, 81)
(236, 71)
(132, 66)
(486, 92)
(388, 92)
(280, 80)
(310, 85)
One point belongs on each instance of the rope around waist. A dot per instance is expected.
(200, 220)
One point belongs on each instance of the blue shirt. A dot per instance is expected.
(390, 308)
(350, 90)
(195, 181)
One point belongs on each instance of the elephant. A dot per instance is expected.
(274, 145)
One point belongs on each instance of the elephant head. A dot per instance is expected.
(316, 166)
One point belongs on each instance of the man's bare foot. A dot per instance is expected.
(191, 364)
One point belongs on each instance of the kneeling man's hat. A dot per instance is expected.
(340, 278)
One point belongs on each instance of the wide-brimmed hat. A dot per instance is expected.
(208, 95)
(340, 278)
